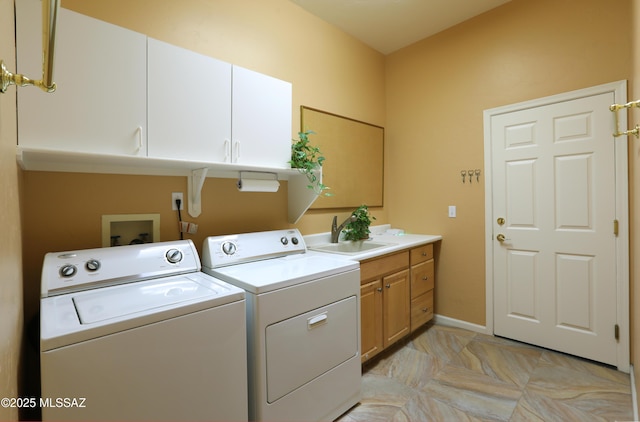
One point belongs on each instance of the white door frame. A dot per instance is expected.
(619, 89)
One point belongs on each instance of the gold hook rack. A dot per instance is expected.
(49, 20)
(615, 108)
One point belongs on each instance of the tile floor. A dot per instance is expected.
(448, 374)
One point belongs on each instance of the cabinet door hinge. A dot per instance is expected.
(616, 331)
(615, 227)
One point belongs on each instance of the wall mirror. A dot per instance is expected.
(354, 163)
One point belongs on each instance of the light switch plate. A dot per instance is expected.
(452, 211)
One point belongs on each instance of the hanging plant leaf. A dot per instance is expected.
(307, 159)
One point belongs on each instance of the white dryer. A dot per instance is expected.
(139, 333)
(303, 323)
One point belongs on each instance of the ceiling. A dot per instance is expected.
(388, 25)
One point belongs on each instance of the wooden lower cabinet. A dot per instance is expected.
(371, 318)
(385, 302)
(396, 307)
(421, 310)
(422, 284)
(396, 297)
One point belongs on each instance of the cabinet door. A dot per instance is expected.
(189, 104)
(396, 306)
(100, 72)
(261, 119)
(371, 318)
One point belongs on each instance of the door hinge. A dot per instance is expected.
(617, 331)
(615, 227)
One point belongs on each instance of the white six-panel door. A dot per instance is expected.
(552, 251)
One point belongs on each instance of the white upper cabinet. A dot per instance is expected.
(261, 115)
(121, 93)
(201, 109)
(189, 104)
(100, 104)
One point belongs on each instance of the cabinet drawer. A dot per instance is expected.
(422, 278)
(421, 253)
(421, 310)
(379, 267)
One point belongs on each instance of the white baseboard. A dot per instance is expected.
(634, 394)
(458, 323)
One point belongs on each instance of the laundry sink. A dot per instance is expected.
(350, 247)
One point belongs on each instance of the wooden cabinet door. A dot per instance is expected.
(396, 306)
(99, 105)
(371, 319)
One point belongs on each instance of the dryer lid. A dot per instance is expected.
(277, 273)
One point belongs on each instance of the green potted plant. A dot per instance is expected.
(359, 229)
(308, 159)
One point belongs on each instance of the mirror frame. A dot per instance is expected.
(354, 178)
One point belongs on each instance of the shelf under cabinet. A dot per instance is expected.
(300, 197)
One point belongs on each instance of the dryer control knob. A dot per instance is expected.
(284, 240)
(92, 265)
(68, 270)
(229, 248)
(174, 256)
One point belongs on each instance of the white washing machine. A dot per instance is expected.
(303, 323)
(139, 333)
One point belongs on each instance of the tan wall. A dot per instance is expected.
(328, 69)
(11, 320)
(437, 90)
(430, 101)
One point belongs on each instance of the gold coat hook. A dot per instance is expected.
(635, 131)
(7, 79)
(49, 19)
(630, 104)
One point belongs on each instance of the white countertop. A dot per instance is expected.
(395, 242)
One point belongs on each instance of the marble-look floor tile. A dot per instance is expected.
(597, 395)
(408, 366)
(382, 398)
(536, 407)
(505, 362)
(441, 341)
(474, 393)
(449, 374)
(424, 408)
(550, 358)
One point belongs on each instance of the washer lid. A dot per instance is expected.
(102, 304)
(74, 317)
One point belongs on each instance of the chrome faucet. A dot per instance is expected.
(336, 230)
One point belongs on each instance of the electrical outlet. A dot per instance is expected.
(174, 196)
(452, 211)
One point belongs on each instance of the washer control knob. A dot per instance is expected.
(174, 256)
(229, 248)
(284, 240)
(92, 265)
(68, 270)
(294, 240)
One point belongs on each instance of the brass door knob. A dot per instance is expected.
(501, 238)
